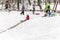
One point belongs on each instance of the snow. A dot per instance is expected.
(37, 28)
(41, 28)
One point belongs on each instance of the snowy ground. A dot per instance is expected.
(37, 28)
(8, 19)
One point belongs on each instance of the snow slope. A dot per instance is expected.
(39, 28)
(8, 19)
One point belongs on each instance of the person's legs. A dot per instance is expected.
(49, 12)
(33, 10)
(22, 12)
(46, 13)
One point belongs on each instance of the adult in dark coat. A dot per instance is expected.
(23, 8)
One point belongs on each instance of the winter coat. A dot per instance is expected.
(47, 6)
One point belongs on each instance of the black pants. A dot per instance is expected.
(48, 12)
(33, 10)
(22, 12)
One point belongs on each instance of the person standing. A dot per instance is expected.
(34, 7)
(23, 8)
(47, 8)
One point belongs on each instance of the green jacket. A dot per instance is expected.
(47, 6)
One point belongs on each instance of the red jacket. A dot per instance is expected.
(27, 17)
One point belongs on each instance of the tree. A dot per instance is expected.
(55, 5)
(59, 1)
(39, 4)
(18, 4)
(20, 1)
(29, 2)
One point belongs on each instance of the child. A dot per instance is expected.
(47, 8)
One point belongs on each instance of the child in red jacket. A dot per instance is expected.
(27, 17)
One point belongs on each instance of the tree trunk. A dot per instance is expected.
(39, 4)
(59, 1)
(19, 1)
(54, 4)
(18, 4)
(29, 2)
